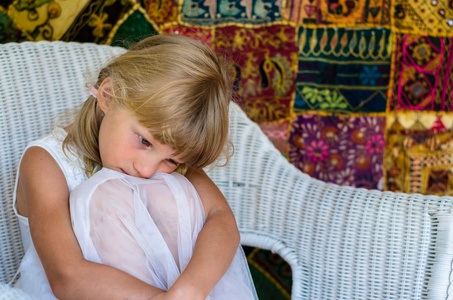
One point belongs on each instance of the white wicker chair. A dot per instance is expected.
(341, 242)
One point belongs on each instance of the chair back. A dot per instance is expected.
(38, 81)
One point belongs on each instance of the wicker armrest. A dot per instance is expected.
(341, 242)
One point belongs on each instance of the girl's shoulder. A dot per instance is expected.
(52, 141)
(70, 163)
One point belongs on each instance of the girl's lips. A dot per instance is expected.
(124, 172)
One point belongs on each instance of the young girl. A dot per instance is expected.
(162, 106)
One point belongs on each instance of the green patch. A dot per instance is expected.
(271, 274)
(8, 30)
(134, 29)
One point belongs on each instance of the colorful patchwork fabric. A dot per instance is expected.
(423, 73)
(433, 17)
(341, 150)
(77, 20)
(351, 12)
(355, 92)
(271, 273)
(420, 162)
(265, 61)
(8, 30)
(161, 12)
(206, 36)
(132, 28)
(419, 154)
(342, 70)
(221, 12)
(278, 134)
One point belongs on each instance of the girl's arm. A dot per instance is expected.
(43, 187)
(216, 244)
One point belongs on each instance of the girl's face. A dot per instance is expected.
(128, 147)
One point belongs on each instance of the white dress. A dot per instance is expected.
(148, 228)
(33, 280)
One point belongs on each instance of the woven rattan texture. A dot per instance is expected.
(341, 242)
(37, 81)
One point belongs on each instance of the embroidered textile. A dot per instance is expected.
(356, 92)
(341, 150)
(344, 70)
(425, 16)
(375, 12)
(264, 60)
(423, 73)
(215, 12)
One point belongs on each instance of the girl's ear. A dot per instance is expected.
(105, 95)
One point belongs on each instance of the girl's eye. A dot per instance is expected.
(173, 162)
(144, 141)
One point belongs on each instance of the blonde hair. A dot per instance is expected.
(177, 87)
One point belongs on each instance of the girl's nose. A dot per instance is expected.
(146, 169)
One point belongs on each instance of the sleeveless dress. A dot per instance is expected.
(145, 227)
(33, 279)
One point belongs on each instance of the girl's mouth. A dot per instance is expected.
(124, 172)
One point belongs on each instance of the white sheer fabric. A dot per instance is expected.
(148, 228)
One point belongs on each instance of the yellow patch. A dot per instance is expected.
(45, 20)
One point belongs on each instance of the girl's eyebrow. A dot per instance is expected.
(148, 135)
(145, 133)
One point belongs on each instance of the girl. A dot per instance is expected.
(162, 106)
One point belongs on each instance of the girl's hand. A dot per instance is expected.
(178, 295)
(216, 244)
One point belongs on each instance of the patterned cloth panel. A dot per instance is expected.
(354, 92)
